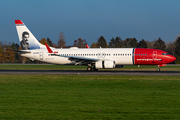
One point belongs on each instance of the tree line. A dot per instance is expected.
(8, 56)
(171, 47)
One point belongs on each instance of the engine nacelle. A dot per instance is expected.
(105, 64)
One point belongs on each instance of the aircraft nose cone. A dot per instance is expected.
(172, 58)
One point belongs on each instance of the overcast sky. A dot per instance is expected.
(90, 19)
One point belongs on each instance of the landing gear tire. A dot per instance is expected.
(89, 68)
(158, 69)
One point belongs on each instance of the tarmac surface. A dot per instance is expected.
(83, 72)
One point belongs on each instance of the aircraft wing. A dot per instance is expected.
(76, 59)
(22, 51)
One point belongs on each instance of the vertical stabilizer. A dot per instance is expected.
(26, 38)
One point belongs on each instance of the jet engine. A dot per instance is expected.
(105, 64)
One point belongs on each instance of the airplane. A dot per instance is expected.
(93, 58)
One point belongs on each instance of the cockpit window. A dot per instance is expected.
(165, 53)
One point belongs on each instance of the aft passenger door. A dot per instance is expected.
(41, 55)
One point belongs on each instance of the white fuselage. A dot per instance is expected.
(121, 56)
(94, 58)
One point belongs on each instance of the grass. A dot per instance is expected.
(89, 97)
(40, 67)
(73, 67)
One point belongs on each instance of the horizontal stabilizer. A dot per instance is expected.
(48, 48)
(22, 51)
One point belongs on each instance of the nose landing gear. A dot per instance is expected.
(158, 69)
(161, 65)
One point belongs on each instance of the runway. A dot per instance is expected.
(83, 72)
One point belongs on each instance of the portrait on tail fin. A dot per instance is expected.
(24, 42)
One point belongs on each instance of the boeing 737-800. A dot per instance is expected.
(94, 58)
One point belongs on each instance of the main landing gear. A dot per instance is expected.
(158, 69)
(90, 68)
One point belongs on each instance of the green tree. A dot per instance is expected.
(43, 41)
(118, 42)
(125, 43)
(16, 54)
(177, 49)
(1, 54)
(9, 55)
(13, 46)
(61, 41)
(102, 42)
(80, 43)
(150, 44)
(160, 44)
(112, 43)
(94, 45)
(142, 44)
(133, 42)
(129, 43)
(49, 42)
(170, 48)
(75, 43)
(115, 43)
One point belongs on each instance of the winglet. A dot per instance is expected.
(48, 48)
(87, 46)
(18, 22)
